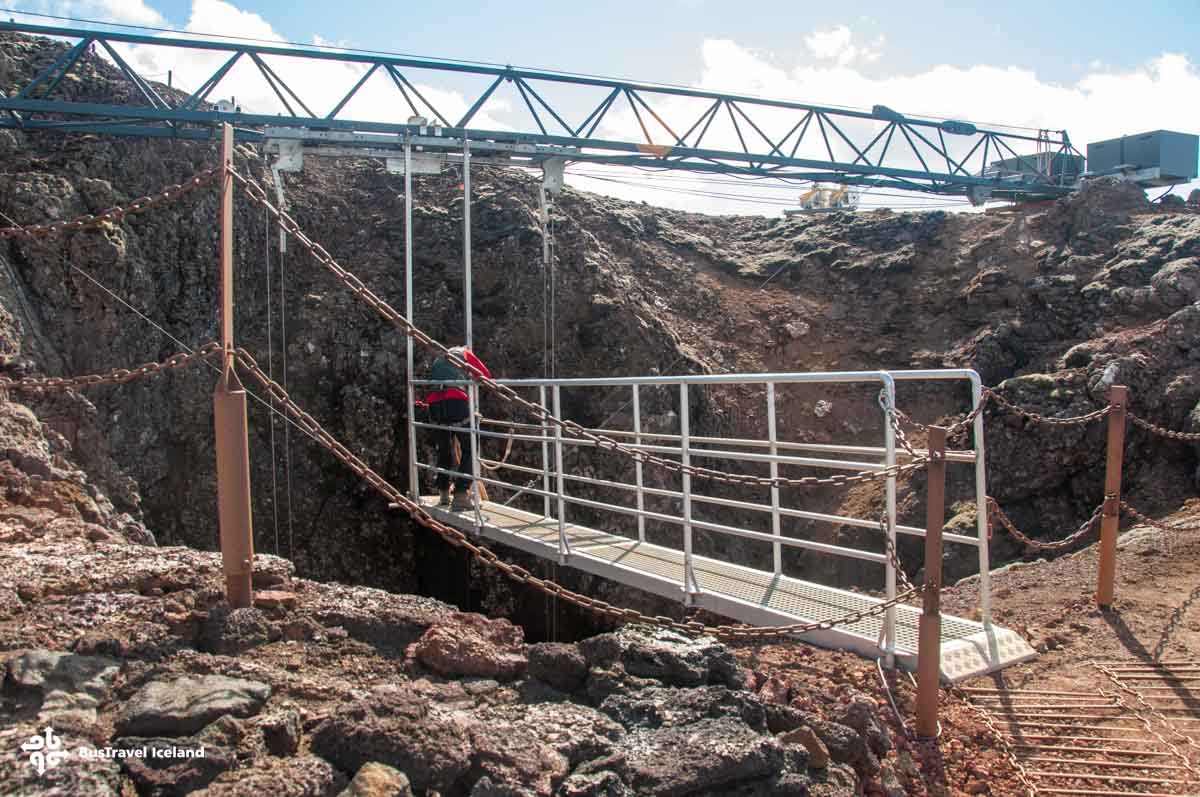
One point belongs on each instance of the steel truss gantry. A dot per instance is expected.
(676, 128)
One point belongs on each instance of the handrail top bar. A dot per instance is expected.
(811, 377)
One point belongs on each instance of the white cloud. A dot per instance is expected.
(837, 44)
(1102, 104)
(129, 12)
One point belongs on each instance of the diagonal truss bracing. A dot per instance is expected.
(593, 119)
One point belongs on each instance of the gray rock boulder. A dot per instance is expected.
(578, 733)
(559, 664)
(704, 757)
(668, 707)
(303, 776)
(182, 706)
(1177, 283)
(165, 767)
(401, 729)
(862, 715)
(63, 682)
(667, 656)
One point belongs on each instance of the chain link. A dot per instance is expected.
(356, 286)
(959, 426)
(994, 511)
(1074, 420)
(1162, 431)
(1173, 622)
(893, 555)
(999, 738)
(139, 205)
(118, 376)
(1140, 518)
(1158, 715)
(486, 556)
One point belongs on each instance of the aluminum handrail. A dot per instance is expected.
(660, 492)
(771, 452)
(827, 377)
(962, 455)
(791, 542)
(837, 464)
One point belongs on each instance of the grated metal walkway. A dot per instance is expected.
(751, 596)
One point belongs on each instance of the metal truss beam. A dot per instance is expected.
(822, 143)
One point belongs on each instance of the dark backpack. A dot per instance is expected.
(444, 371)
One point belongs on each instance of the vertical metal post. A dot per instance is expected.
(929, 645)
(563, 548)
(1118, 397)
(229, 420)
(690, 588)
(637, 465)
(981, 513)
(413, 487)
(470, 337)
(545, 458)
(889, 437)
(473, 408)
(772, 436)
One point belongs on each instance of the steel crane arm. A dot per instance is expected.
(641, 124)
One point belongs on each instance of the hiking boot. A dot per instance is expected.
(462, 500)
(444, 496)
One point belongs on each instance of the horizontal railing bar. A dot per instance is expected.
(836, 550)
(966, 455)
(830, 464)
(827, 377)
(793, 542)
(735, 504)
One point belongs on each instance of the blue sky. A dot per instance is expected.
(1096, 69)
(660, 39)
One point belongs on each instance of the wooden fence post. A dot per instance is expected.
(1118, 398)
(929, 645)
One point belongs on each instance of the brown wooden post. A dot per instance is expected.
(229, 420)
(1118, 398)
(929, 643)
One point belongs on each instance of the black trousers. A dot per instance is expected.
(447, 412)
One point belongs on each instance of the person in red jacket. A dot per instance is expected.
(449, 406)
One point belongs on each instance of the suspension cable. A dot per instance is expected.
(271, 371)
(287, 430)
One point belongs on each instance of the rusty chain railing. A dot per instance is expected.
(117, 376)
(995, 512)
(116, 214)
(1173, 622)
(356, 286)
(489, 558)
(1162, 718)
(1000, 739)
(1162, 431)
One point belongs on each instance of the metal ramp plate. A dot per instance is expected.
(744, 594)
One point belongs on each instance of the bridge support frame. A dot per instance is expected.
(1118, 399)
(929, 644)
(229, 420)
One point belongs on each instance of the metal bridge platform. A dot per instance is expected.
(744, 594)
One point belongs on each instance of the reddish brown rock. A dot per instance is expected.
(471, 644)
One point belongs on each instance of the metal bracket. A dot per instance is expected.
(1112, 506)
(422, 163)
(552, 174)
(979, 194)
